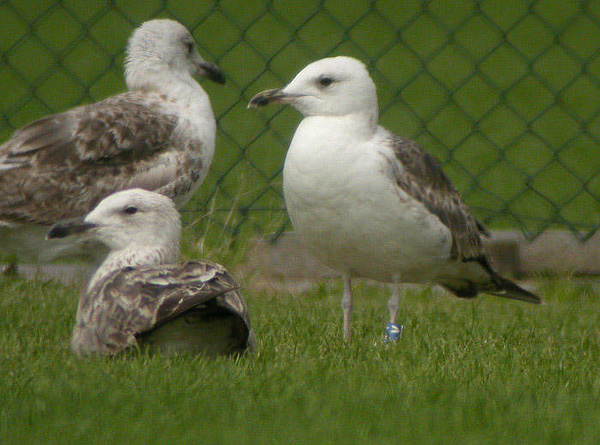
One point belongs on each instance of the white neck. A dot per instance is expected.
(149, 76)
(187, 99)
(363, 121)
(338, 130)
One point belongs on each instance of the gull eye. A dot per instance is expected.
(325, 81)
(130, 210)
(189, 45)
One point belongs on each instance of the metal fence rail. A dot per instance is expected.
(506, 93)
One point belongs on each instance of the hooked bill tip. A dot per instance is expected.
(65, 229)
(258, 101)
(212, 72)
(267, 97)
(57, 231)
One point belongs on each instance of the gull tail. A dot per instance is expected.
(496, 285)
(505, 288)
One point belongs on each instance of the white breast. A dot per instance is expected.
(196, 123)
(344, 203)
(196, 119)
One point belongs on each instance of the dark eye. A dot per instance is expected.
(130, 210)
(189, 46)
(325, 81)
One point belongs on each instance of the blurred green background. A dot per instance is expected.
(505, 93)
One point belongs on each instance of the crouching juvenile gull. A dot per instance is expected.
(159, 135)
(138, 297)
(370, 203)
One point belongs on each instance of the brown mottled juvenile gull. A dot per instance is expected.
(139, 297)
(372, 204)
(159, 135)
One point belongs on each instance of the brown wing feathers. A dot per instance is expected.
(57, 158)
(422, 177)
(141, 299)
(121, 126)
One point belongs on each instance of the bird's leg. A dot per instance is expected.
(393, 331)
(394, 301)
(347, 305)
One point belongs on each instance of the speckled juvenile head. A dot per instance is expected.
(131, 218)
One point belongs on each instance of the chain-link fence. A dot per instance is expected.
(506, 93)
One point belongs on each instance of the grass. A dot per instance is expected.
(466, 372)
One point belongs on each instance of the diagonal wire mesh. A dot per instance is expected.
(506, 94)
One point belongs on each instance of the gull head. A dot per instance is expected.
(125, 219)
(336, 86)
(163, 47)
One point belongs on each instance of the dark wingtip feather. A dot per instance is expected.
(508, 289)
(503, 287)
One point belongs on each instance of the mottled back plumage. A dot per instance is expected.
(78, 157)
(130, 306)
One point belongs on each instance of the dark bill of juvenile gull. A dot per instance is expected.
(159, 135)
(140, 297)
(372, 204)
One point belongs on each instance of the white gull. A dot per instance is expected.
(139, 297)
(371, 204)
(159, 135)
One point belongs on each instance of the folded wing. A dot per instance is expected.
(62, 165)
(136, 303)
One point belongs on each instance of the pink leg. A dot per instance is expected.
(347, 305)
